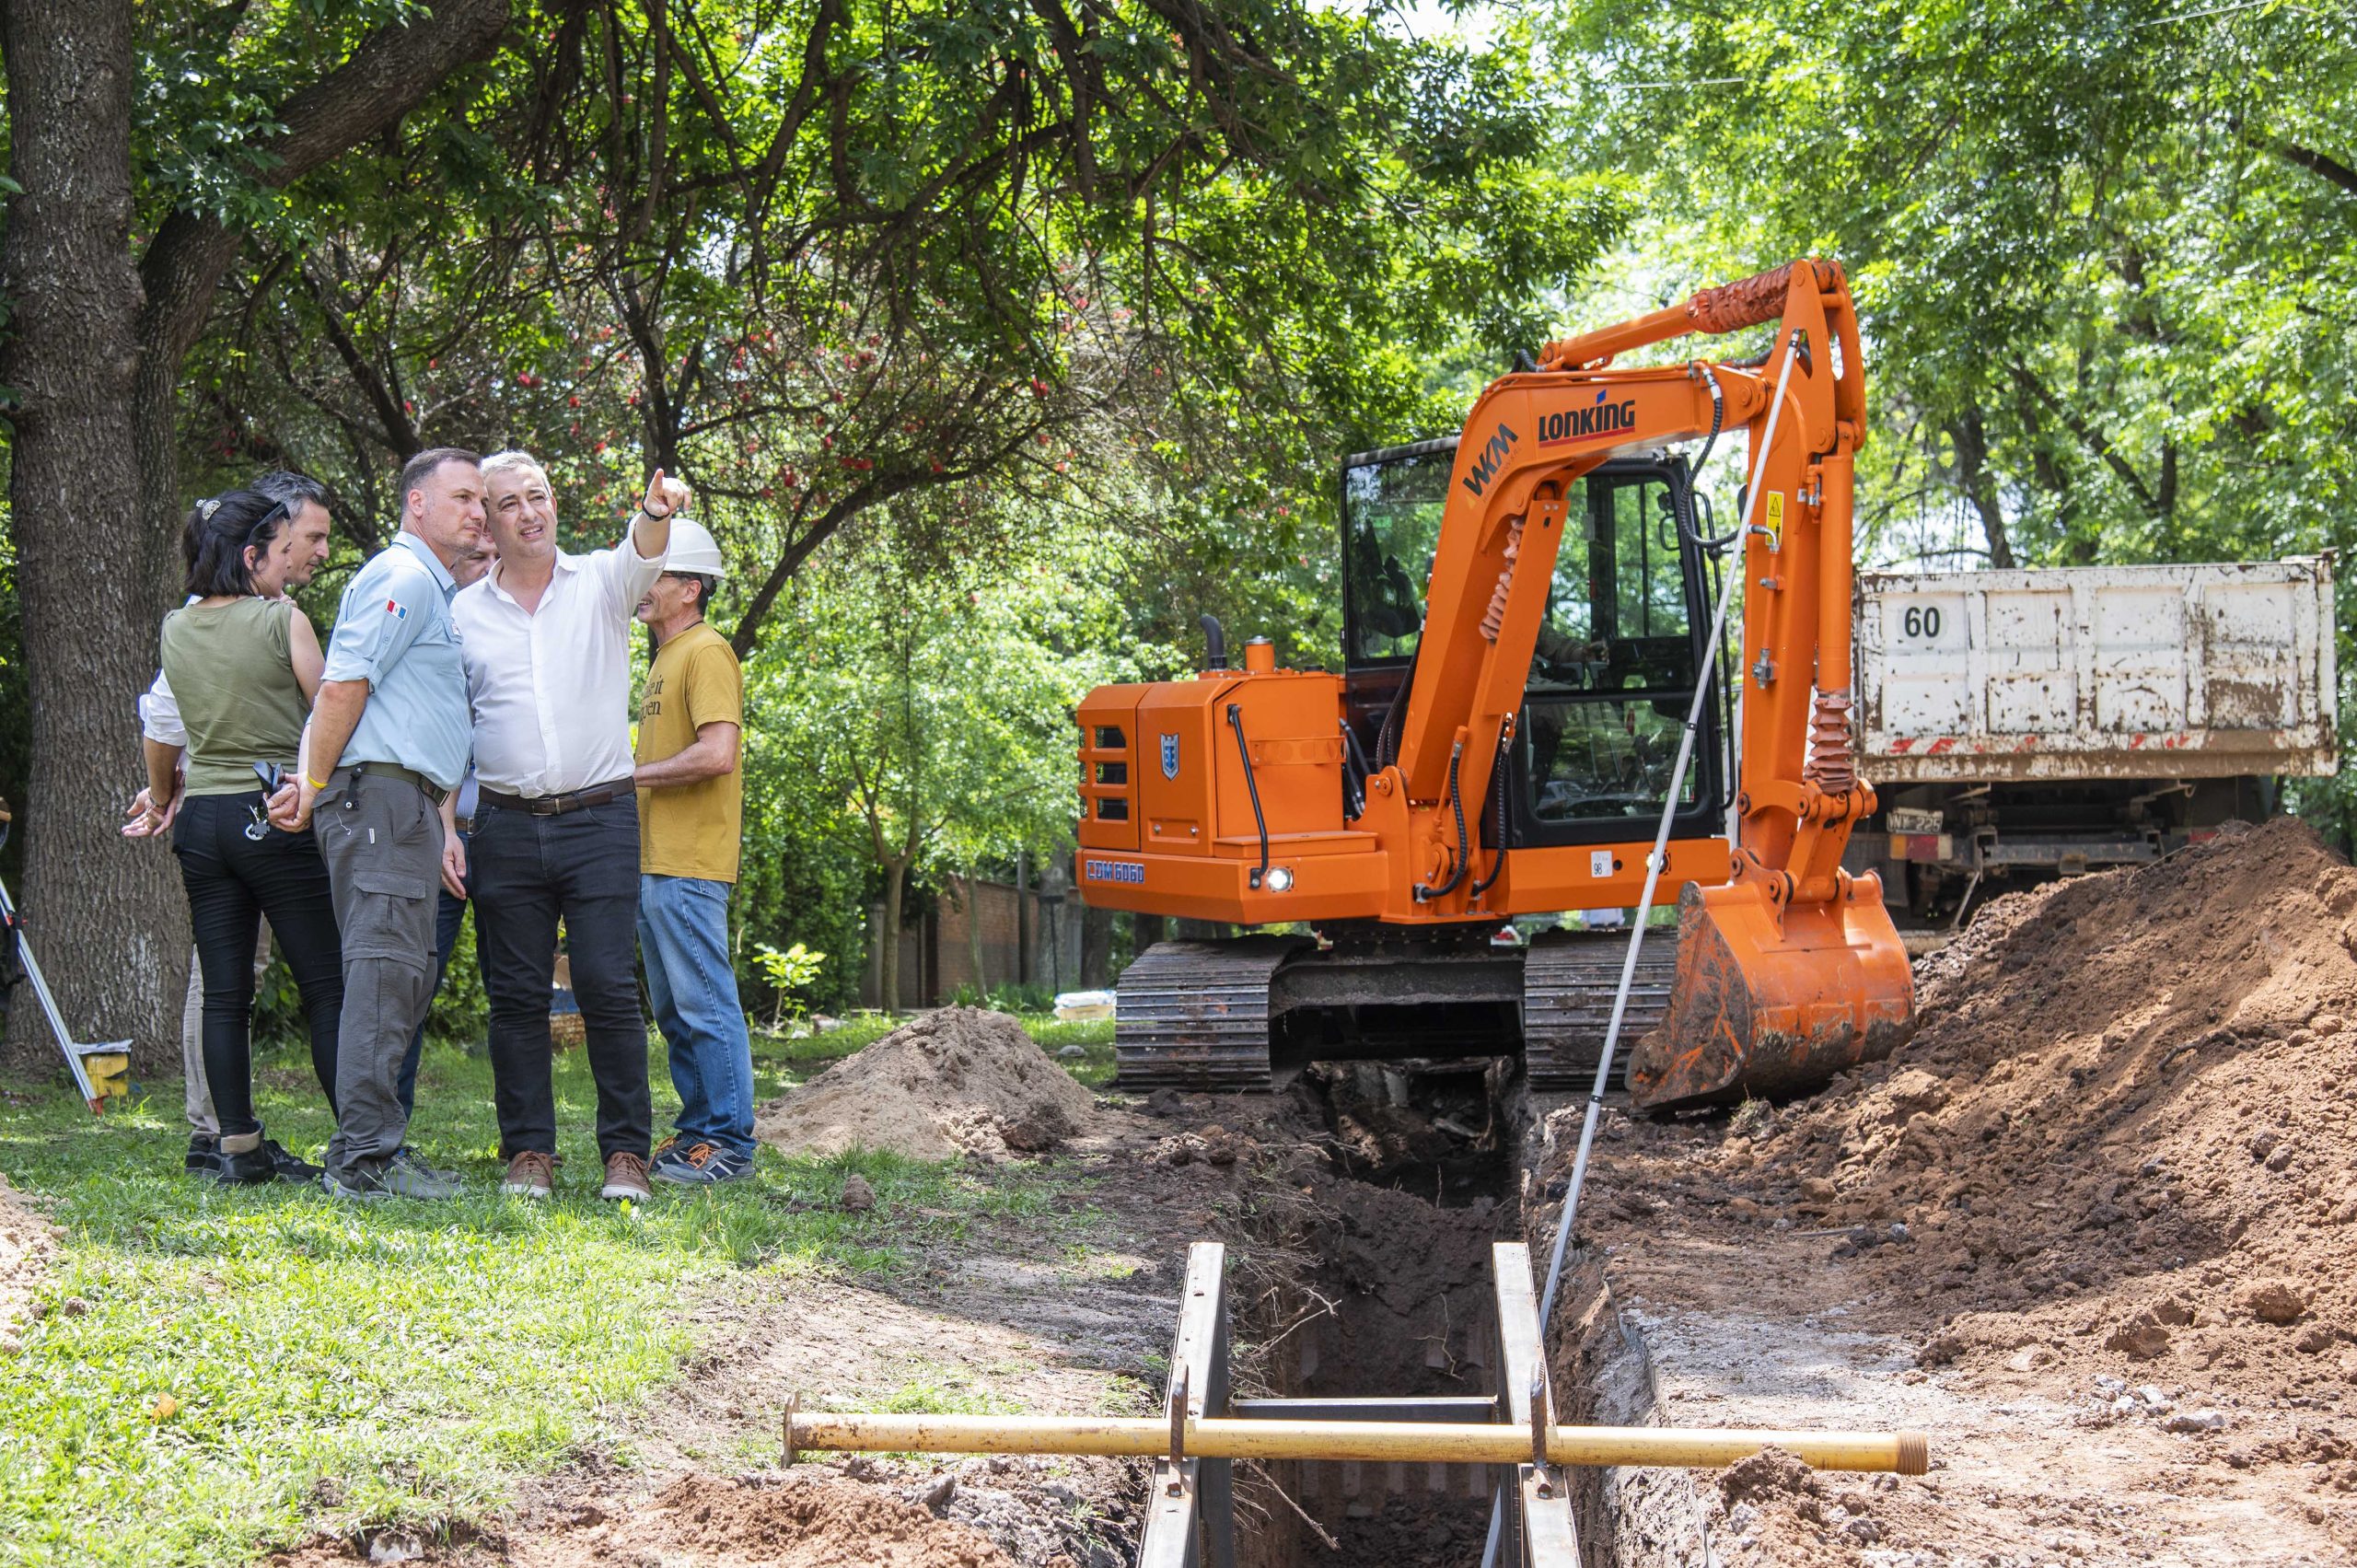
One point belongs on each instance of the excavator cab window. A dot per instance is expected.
(1392, 502)
(1613, 672)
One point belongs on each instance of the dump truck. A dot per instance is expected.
(2022, 725)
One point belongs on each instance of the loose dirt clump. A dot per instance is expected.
(815, 1519)
(956, 1082)
(814, 1523)
(27, 1239)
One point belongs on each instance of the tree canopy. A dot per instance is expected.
(2102, 249)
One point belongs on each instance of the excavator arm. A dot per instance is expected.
(1792, 969)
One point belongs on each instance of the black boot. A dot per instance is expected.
(203, 1153)
(244, 1168)
(289, 1167)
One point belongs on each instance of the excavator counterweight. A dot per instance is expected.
(1530, 664)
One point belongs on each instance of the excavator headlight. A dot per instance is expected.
(1278, 880)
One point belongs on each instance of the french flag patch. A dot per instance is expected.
(397, 609)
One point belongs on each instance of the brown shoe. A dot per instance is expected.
(529, 1175)
(626, 1178)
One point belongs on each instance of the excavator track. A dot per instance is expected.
(1569, 979)
(1202, 1014)
(1195, 1014)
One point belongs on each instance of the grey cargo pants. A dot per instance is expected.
(382, 841)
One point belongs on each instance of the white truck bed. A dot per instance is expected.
(2086, 672)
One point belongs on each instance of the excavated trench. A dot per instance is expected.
(1370, 1276)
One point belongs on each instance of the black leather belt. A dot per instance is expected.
(558, 804)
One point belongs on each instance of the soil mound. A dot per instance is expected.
(956, 1082)
(808, 1520)
(818, 1523)
(27, 1239)
(2127, 1122)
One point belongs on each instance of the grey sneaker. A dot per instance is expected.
(405, 1155)
(406, 1176)
(396, 1179)
(367, 1188)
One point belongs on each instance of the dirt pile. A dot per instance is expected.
(956, 1082)
(2123, 1141)
(809, 1519)
(815, 1523)
(27, 1239)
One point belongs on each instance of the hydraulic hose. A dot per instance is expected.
(1252, 787)
(1498, 785)
(1387, 735)
(1426, 895)
(1355, 773)
(1686, 507)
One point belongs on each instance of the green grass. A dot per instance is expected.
(338, 1366)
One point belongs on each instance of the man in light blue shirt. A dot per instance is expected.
(387, 744)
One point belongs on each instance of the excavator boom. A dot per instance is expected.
(1258, 800)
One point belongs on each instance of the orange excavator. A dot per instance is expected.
(1534, 716)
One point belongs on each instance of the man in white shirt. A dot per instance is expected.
(546, 637)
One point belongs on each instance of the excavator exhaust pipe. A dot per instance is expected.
(1771, 1005)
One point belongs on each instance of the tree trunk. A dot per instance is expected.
(105, 912)
(888, 990)
(95, 360)
(974, 933)
(1096, 945)
(1971, 437)
(1027, 928)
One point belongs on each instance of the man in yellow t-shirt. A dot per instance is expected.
(690, 814)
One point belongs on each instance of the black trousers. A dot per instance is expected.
(526, 875)
(232, 882)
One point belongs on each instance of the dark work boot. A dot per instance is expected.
(248, 1167)
(203, 1153)
(289, 1167)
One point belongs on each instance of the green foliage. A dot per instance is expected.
(2105, 254)
(2102, 255)
(789, 974)
(930, 714)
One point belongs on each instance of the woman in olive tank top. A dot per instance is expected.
(244, 663)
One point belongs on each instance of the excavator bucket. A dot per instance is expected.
(1767, 1007)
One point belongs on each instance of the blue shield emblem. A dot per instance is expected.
(1170, 756)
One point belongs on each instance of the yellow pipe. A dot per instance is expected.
(1907, 1453)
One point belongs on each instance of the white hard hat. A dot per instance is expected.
(693, 550)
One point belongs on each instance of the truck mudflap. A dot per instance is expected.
(1767, 1006)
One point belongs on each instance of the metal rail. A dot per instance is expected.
(1511, 1438)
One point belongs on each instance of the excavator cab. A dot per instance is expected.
(1617, 658)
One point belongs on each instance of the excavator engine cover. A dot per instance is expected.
(1767, 1006)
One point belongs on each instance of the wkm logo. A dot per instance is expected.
(1492, 458)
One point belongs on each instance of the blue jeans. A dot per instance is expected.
(683, 939)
